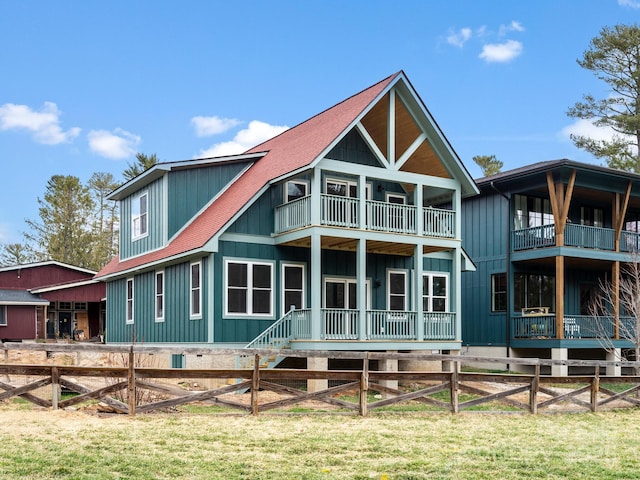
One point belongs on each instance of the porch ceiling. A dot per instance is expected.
(373, 246)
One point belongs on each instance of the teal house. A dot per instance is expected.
(342, 233)
(544, 238)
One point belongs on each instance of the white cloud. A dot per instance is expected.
(629, 3)
(207, 126)
(514, 26)
(44, 124)
(116, 145)
(255, 133)
(460, 38)
(501, 52)
(586, 128)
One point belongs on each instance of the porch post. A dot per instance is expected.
(418, 291)
(615, 285)
(456, 288)
(559, 297)
(316, 287)
(361, 286)
(417, 199)
(316, 191)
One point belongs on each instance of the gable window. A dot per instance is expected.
(129, 300)
(295, 189)
(534, 290)
(397, 290)
(293, 281)
(499, 292)
(139, 216)
(435, 292)
(249, 288)
(160, 296)
(3, 315)
(196, 297)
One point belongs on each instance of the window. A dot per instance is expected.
(295, 189)
(249, 288)
(293, 281)
(397, 287)
(3, 315)
(129, 300)
(80, 306)
(591, 216)
(64, 305)
(139, 216)
(159, 296)
(196, 297)
(435, 292)
(532, 212)
(534, 290)
(499, 292)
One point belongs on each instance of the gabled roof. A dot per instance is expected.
(292, 150)
(45, 264)
(20, 297)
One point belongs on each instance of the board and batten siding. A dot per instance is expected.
(177, 325)
(484, 238)
(155, 221)
(352, 148)
(190, 190)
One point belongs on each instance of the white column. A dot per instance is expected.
(361, 282)
(316, 287)
(418, 291)
(614, 356)
(559, 354)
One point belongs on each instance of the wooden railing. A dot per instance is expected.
(391, 217)
(583, 236)
(574, 326)
(589, 237)
(438, 390)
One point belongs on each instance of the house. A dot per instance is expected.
(342, 233)
(544, 238)
(50, 300)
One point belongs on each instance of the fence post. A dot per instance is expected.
(55, 386)
(453, 384)
(255, 384)
(364, 385)
(595, 388)
(131, 383)
(533, 393)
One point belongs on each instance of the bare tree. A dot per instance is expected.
(627, 297)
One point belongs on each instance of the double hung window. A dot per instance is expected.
(435, 292)
(140, 216)
(196, 295)
(159, 296)
(129, 314)
(249, 288)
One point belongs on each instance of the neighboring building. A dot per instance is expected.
(342, 233)
(50, 300)
(543, 237)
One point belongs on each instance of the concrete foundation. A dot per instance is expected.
(317, 363)
(448, 366)
(388, 365)
(559, 354)
(614, 356)
(500, 352)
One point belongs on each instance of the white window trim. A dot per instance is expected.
(295, 182)
(346, 281)
(406, 287)
(132, 300)
(3, 316)
(136, 217)
(401, 196)
(429, 294)
(303, 266)
(197, 315)
(249, 304)
(160, 318)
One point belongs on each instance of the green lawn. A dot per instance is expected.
(41, 444)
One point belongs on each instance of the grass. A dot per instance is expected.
(62, 444)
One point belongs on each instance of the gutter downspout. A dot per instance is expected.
(507, 268)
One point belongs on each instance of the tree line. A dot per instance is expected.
(76, 223)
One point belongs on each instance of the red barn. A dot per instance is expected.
(50, 300)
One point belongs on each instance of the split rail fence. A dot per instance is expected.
(453, 390)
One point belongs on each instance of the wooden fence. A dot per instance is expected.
(453, 390)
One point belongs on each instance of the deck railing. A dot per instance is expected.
(391, 325)
(583, 236)
(337, 211)
(533, 237)
(439, 325)
(575, 326)
(339, 324)
(589, 237)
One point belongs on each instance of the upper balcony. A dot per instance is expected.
(581, 236)
(338, 211)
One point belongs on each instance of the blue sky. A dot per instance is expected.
(86, 85)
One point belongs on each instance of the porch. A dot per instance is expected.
(582, 236)
(541, 327)
(347, 324)
(338, 211)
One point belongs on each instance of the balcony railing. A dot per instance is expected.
(574, 236)
(574, 326)
(337, 211)
(589, 237)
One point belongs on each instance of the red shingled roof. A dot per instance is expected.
(293, 149)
